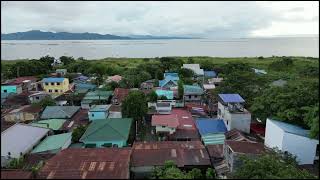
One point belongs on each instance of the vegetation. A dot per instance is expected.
(272, 165)
(48, 101)
(16, 163)
(170, 171)
(135, 106)
(77, 133)
(152, 97)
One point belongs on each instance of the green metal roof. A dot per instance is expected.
(53, 143)
(189, 89)
(54, 124)
(98, 94)
(108, 130)
(213, 138)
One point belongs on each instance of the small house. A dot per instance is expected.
(11, 88)
(119, 95)
(293, 139)
(80, 79)
(53, 144)
(167, 93)
(19, 140)
(61, 72)
(38, 96)
(96, 97)
(23, 114)
(147, 85)
(170, 80)
(231, 110)
(233, 150)
(166, 124)
(115, 78)
(211, 130)
(192, 93)
(98, 112)
(195, 68)
(55, 85)
(59, 112)
(185, 154)
(112, 132)
(88, 163)
(53, 124)
(210, 74)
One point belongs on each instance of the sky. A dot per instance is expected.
(175, 18)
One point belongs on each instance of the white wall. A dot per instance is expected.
(273, 135)
(165, 129)
(304, 148)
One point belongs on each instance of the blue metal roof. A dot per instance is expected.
(227, 98)
(173, 76)
(52, 79)
(289, 128)
(167, 93)
(208, 125)
(210, 74)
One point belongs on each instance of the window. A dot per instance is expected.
(37, 97)
(227, 122)
(92, 115)
(189, 96)
(195, 96)
(56, 90)
(50, 90)
(163, 126)
(219, 112)
(115, 145)
(52, 84)
(58, 84)
(107, 145)
(46, 84)
(5, 90)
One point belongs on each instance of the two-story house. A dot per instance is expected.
(55, 85)
(234, 115)
(192, 93)
(98, 112)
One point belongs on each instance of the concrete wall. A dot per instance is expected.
(304, 148)
(63, 87)
(33, 99)
(165, 129)
(192, 97)
(17, 89)
(273, 136)
(234, 120)
(20, 117)
(97, 115)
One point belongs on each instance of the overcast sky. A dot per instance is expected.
(197, 19)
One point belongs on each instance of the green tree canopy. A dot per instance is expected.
(77, 133)
(152, 97)
(48, 101)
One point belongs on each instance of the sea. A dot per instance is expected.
(99, 49)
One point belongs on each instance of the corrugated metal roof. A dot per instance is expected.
(20, 138)
(15, 174)
(59, 112)
(121, 93)
(99, 108)
(210, 126)
(231, 98)
(108, 130)
(54, 124)
(55, 142)
(290, 128)
(210, 74)
(170, 120)
(190, 89)
(246, 147)
(51, 79)
(184, 153)
(215, 150)
(88, 163)
(194, 67)
(167, 93)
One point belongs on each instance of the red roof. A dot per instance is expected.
(258, 128)
(185, 119)
(121, 94)
(15, 174)
(170, 120)
(184, 153)
(246, 147)
(20, 80)
(80, 118)
(88, 163)
(215, 150)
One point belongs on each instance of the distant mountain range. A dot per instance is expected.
(41, 35)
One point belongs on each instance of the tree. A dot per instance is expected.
(67, 60)
(170, 63)
(135, 77)
(180, 89)
(135, 106)
(152, 97)
(311, 118)
(100, 70)
(269, 166)
(195, 174)
(210, 174)
(47, 60)
(16, 163)
(163, 97)
(112, 85)
(77, 133)
(185, 73)
(48, 101)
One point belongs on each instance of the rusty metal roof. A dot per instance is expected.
(246, 147)
(87, 163)
(16, 174)
(215, 150)
(184, 153)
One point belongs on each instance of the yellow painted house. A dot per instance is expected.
(55, 85)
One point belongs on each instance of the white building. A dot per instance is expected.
(195, 67)
(293, 139)
(19, 140)
(234, 115)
